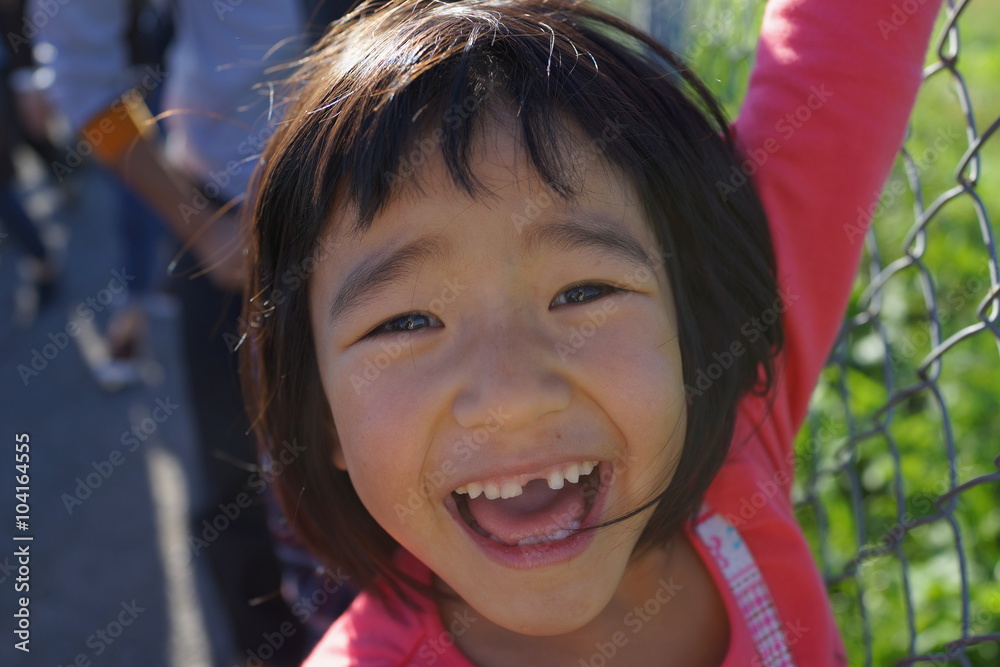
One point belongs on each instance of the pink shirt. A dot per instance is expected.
(829, 98)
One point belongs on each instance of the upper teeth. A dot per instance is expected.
(513, 486)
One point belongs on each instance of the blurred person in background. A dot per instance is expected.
(23, 111)
(149, 31)
(217, 118)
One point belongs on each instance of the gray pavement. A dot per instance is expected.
(112, 580)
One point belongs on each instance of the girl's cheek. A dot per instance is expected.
(376, 400)
(637, 335)
(637, 363)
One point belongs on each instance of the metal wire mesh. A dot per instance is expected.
(898, 467)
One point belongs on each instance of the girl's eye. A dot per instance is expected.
(584, 292)
(404, 323)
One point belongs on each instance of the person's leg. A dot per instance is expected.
(141, 232)
(19, 225)
(13, 217)
(23, 231)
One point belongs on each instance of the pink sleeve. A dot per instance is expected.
(828, 103)
(369, 634)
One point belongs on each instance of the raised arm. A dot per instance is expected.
(829, 99)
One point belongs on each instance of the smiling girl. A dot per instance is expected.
(549, 368)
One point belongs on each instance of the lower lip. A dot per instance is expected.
(534, 556)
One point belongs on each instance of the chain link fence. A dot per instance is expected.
(898, 487)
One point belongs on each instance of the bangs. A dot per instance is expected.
(430, 77)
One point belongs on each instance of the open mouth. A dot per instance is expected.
(541, 508)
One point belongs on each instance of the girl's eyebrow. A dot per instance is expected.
(375, 273)
(596, 234)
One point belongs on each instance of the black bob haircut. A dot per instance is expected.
(391, 74)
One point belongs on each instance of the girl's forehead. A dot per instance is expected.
(426, 193)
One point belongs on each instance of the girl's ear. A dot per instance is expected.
(338, 457)
(337, 453)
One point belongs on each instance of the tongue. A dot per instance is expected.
(538, 512)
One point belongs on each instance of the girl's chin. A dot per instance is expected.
(550, 624)
(526, 610)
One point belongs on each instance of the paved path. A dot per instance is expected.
(119, 555)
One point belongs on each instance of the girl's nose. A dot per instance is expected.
(513, 371)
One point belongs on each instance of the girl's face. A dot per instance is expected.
(472, 348)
